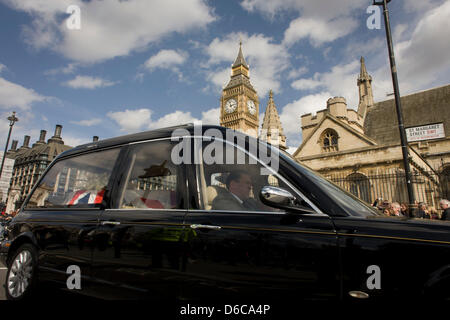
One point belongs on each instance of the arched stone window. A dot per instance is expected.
(329, 140)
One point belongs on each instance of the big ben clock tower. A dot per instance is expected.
(239, 104)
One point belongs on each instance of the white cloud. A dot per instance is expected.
(291, 113)
(295, 73)
(141, 119)
(218, 78)
(320, 20)
(75, 141)
(399, 31)
(340, 80)
(166, 59)
(420, 6)
(121, 27)
(87, 123)
(70, 68)
(305, 84)
(318, 31)
(423, 59)
(211, 116)
(368, 48)
(267, 60)
(324, 9)
(2, 67)
(41, 34)
(131, 120)
(14, 96)
(88, 82)
(26, 126)
(172, 119)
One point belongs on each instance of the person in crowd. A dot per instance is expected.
(386, 207)
(404, 209)
(12, 214)
(395, 209)
(239, 184)
(422, 211)
(377, 202)
(433, 213)
(3, 208)
(445, 206)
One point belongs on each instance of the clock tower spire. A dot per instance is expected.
(239, 104)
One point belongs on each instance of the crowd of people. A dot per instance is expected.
(419, 210)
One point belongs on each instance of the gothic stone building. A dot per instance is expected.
(360, 149)
(6, 176)
(239, 106)
(30, 164)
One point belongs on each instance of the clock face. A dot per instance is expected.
(230, 106)
(251, 106)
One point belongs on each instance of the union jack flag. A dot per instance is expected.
(87, 197)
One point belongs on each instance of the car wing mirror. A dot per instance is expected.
(280, 198)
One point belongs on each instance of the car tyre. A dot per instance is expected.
(21, 278)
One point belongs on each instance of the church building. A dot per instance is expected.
(360, 149)
(30, 164)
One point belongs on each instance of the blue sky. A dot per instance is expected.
(141, 64)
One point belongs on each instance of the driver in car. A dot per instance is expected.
(237, 196)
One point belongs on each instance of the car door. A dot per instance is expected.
(63, 211)
(140, 239)
(390, 257)
(254, 251)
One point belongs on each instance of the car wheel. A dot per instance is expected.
(22, 273)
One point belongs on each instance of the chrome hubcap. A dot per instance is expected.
(20, 274)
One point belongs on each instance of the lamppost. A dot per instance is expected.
(12, 119)
(398, 106)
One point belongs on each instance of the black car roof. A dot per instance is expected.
(142, 136)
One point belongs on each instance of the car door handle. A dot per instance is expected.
(112, 223)
(205, 226)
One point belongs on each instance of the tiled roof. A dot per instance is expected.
(421, 108)
(271, 118)
(240, 58)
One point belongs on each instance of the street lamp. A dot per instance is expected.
(398, 106)
(12, 119)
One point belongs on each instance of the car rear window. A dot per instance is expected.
(79, 181)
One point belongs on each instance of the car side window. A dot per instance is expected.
(153, 181)
(75, 182)
(230, 180)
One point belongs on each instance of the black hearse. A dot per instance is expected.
(196, 212)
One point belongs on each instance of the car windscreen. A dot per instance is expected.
(347, 201)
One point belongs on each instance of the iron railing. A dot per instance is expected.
(429, 187)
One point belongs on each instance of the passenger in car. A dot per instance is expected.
(239, 185)
(153, 199)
